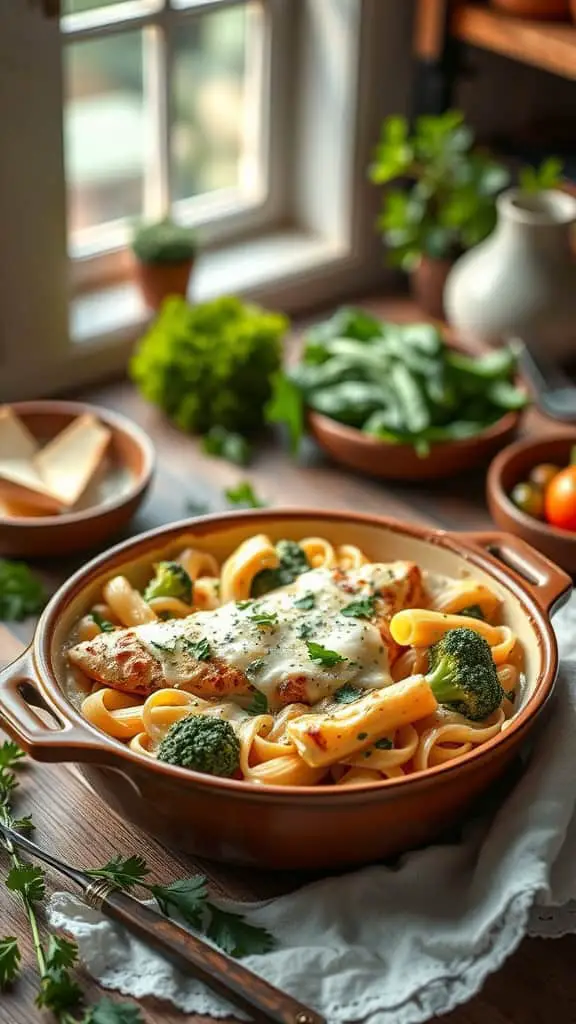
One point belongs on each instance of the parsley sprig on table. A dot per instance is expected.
(58, 991)
(21, 592)
(57, 957)
(188, 898)
(243, 496)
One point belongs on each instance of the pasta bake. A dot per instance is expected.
(297, 664)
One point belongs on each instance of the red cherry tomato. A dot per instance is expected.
(560, 499)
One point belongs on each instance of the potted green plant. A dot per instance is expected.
(164, 256)
(445, 204)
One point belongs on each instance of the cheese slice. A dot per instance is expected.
(20, 481)
(16, 441)
(68, 462)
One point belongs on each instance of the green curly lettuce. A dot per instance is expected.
(210, 365)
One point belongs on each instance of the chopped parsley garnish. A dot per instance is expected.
(361, 609)
(255, 667)
(243, 604)
(322, 655)
(264, 618)
(199, 649)
(362, 736)
(384, 744)
(510, 695)
(306, 602)
(259, 705)
(168, 648)
(103, 624)
(306, 630)
(347, 694)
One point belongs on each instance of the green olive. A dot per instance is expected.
(542, 474)
(529, 498)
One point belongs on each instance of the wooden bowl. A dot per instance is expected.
(287, 826)
(512, 466)
(399, 461)
(110, 500)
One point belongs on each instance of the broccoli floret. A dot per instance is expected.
(463, 675)
(293, 562)
(171, 580)
(203, 744)
(473, 611)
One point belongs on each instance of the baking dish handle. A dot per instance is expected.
(52, 740)
(549, 585)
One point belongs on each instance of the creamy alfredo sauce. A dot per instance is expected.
(267, 637)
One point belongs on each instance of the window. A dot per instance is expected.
(253, 119)
(166, 110)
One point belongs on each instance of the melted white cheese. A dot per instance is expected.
(270, 654)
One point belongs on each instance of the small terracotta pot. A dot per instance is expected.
(159, 280)
(547, 10)
(427, 282)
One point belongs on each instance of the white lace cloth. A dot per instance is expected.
(399, 945)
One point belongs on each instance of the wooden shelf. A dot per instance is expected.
(547, 45)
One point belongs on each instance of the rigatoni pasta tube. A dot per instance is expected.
(419, 627)
(323, 739)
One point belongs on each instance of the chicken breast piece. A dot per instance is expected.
(121, 660)
(272, 644)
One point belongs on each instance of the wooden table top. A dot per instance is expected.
(535, 985)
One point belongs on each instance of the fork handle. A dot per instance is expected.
(191, 955)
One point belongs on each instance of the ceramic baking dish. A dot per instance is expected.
(288, 827)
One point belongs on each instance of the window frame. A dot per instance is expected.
(102, 255)
(346, 57)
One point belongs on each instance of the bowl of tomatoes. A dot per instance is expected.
(531, 491)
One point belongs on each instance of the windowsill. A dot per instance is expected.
(260, 268)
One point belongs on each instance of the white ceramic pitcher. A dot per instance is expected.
(522, 280)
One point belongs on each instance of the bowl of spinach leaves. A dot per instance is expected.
(395, 400)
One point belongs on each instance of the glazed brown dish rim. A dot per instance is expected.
(495, 473)
(506, 423)
(121, 424)
(445, 539)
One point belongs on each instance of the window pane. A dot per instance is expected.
(104, 129)
(77, 6)
(208, 102)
